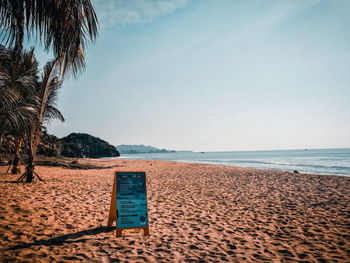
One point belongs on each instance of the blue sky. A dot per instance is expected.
(215, 75)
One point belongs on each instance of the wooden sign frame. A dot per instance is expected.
(113, 207)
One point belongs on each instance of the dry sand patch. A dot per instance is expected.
(198, 213)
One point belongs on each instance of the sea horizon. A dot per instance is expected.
(266, 150)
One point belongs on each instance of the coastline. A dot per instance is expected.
(313, 161)
(197, 212)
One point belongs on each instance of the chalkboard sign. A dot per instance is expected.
(129, 202)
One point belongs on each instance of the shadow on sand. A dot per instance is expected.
(65, 239)
(8, 182)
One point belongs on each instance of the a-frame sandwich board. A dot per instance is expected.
(129, 197)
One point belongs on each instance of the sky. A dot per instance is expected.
(219, 75)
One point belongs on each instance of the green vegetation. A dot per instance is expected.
(28, 101)
(76, 145)
(85, 145)
(63, 26)
(28, 96)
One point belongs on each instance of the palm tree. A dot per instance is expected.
(47, 93)
(65, 25)
(17, 82)
(17, 86)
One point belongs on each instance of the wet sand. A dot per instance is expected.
(197, 213)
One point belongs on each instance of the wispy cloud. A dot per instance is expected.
(121, 12)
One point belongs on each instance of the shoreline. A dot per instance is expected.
(316, 161)
(263, 169)
(197, 212)
(88, 167)
(225, 165)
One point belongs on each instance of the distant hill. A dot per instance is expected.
(86, 145)
(134, 149)
(76, 145)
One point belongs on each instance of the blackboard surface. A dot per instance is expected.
(131, 199)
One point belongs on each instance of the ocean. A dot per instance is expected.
(317, 161)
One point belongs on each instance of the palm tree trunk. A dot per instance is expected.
(30, 169)
(16, 168)
(30, 163)
(18, 48)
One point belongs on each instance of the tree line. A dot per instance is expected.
(76, 145)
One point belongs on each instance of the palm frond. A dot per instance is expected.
(17, 89)
(52, 112)
(50, 83)
(15, 120)
(66, 26)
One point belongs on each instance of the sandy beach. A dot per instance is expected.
(197, 213)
